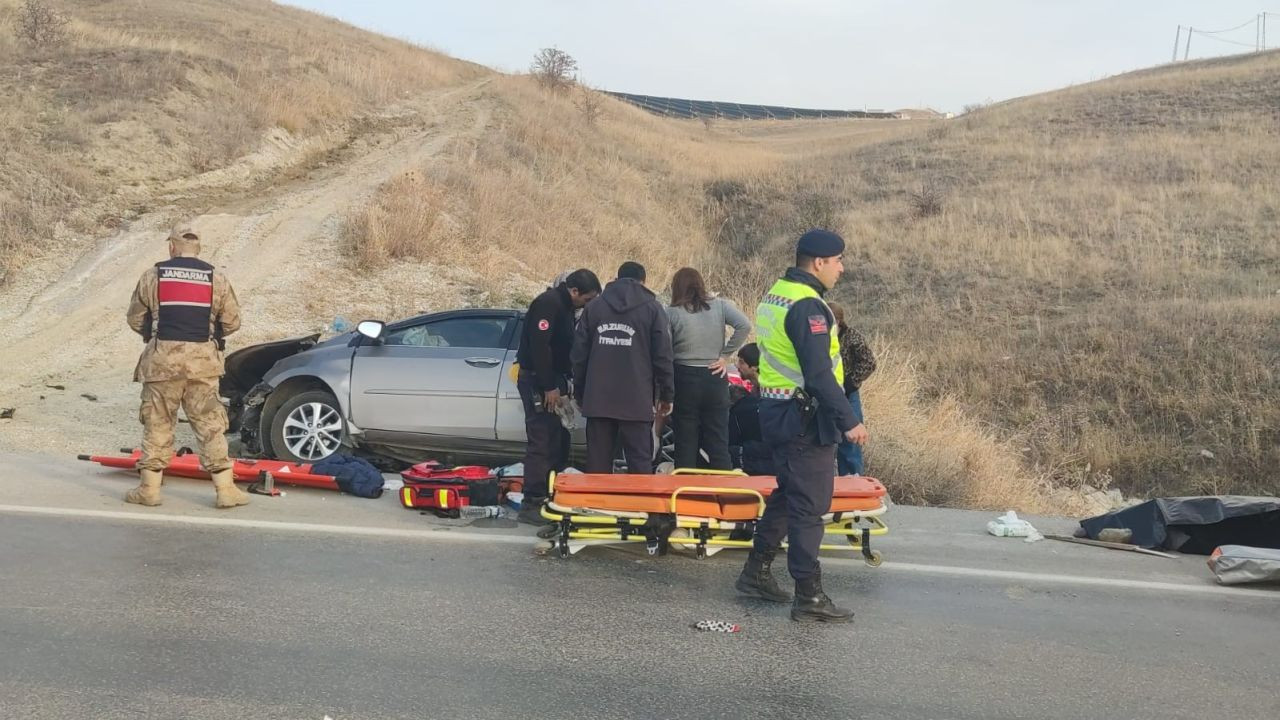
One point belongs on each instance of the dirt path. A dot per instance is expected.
(281, 250)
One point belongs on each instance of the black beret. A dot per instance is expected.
(820, 244)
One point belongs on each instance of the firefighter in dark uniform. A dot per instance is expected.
(803, 415)
(543, 382)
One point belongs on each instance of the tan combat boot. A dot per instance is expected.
(229, 495)
(148, 490)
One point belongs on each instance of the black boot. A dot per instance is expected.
(531, 512)
(757, 580)
(813, 605)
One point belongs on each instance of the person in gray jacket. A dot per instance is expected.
(622, 371)
(698, 322)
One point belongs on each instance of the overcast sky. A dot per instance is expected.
(837, 54)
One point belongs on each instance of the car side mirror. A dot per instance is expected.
(371, 329)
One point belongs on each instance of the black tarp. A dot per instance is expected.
(1196, 524)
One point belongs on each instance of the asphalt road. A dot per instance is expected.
(113, 618)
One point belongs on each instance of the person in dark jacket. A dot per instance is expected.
(752, 454)
(546, 342)
(803, 415)
(859, 363)
(622, 365)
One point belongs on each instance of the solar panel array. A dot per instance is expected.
(676, 107)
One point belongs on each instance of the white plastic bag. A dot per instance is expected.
(1010, 525)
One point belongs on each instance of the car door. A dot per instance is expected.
(510, 424)
(511, 408)
(437, 377)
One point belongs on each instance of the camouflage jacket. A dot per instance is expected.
(173, 359)
(859, 361)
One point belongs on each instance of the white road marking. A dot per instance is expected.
(274, 525)
(1016, 576)
(461, 535)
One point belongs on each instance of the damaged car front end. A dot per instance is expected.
(245, 389)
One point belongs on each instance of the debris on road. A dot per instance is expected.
(7, 413)
(89, 396)
(1115, 535)
(1010, 525)
(716, 626)
(55, 387)
(1111, 545)
(1236, 564)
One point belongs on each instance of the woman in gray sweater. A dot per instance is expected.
(698, 322)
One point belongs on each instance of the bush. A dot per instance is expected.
(927, 200)
(399, 224)
(590, 104)
(40, 25)
(554, 69)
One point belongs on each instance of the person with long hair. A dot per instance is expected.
(859, 363)
(702, 356)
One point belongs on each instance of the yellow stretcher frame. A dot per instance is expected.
(708, 536)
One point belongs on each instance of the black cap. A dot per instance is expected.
(820, 244)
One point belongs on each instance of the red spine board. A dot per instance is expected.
(244, 471)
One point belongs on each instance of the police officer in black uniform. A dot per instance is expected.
(543, 381)
(802, 417)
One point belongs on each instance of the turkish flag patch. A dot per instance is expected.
(543, 324)
(817, 324)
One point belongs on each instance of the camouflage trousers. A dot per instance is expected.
(198, 397)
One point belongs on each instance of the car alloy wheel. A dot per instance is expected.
(313, 431)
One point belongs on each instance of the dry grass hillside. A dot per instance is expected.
(1072, 289)
(145, 92)
(544, 189)
(1077, 289)
(1094, 272)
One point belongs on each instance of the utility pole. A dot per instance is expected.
(1187, 54)
(1264, 30)
(1257, 33)
(1177, 40)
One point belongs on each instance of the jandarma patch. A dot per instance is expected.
(817, 324)
(543, 324)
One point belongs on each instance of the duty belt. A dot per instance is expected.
(777, 393)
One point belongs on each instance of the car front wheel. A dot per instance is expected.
(308, 428)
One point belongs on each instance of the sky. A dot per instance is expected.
(830, 54)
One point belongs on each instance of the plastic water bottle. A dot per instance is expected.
(481, 511)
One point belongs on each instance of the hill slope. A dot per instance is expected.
(1091, 272)
(146, 93)
(1095, 271)
(1067, 289)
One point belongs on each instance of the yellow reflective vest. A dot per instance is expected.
(780, 372)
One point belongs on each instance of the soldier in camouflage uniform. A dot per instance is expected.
(183, 308)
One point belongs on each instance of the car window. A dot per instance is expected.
(515, 336)
(469, 332)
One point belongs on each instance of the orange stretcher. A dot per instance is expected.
(706, 509)
(185, 463)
